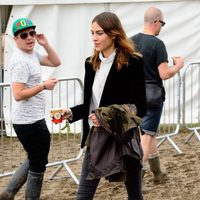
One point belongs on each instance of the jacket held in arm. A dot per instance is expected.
(115, 145)
(126, 86)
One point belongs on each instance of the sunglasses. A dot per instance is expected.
(24, 35)
(163, 23)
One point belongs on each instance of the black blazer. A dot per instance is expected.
(121, 87)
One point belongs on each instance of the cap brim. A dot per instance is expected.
(24, 29)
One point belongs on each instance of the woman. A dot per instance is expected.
(113, 75)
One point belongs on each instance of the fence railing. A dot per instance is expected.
(191, 100)
(181, 108)
(171, 115)
(65, 144)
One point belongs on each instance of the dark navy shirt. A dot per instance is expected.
(154, 53)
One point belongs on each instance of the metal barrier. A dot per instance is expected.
(191, 100)
(65, 144)
(170, 119)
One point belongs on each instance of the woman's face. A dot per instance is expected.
(102, 41)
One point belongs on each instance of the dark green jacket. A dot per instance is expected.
(115, 145)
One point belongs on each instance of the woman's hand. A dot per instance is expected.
(94, 119)
(67, 114)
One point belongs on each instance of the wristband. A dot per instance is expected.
(43, 85)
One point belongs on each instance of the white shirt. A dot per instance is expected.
(25, 68)
(100, 79)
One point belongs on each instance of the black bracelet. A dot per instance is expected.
(43, 84)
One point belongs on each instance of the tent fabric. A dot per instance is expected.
(50, 2)
(67, 28)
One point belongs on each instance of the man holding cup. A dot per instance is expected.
(156, 69)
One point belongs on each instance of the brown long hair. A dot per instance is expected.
(112, 26)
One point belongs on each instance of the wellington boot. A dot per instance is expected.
(34, 185)
(6, 196)
(16, 182)
(159, 175)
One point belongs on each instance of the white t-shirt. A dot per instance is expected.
(25, 68)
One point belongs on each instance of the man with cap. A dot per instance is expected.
(28, 107)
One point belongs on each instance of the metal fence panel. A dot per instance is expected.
(191, 100)
(170, 119)
(65, 144)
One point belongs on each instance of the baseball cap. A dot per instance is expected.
(21, 24)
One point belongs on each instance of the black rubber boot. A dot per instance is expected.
(17, 181)
(34, 185)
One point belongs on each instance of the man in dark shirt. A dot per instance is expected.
(156, 69)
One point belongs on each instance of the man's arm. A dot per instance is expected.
(167, 72)
(51, 59)
(21, 92)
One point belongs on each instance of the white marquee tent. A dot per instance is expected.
(67, 26)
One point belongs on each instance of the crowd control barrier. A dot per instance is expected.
(181, 108)
(65, 144)
(170, 119)
(191, 100)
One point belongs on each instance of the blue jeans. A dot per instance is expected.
(35, 139)
(151, 120)
(87, 188)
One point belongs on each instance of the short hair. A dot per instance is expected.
(152, 14)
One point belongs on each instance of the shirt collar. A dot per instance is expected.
(109, 59)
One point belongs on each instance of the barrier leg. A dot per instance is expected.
(163, 138)
(194, 132)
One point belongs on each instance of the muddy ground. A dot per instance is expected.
(183, 181)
